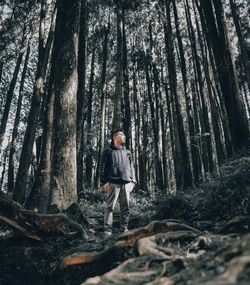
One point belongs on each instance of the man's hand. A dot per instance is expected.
(106, 187)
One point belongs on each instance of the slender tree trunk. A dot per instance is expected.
(64, 161)
(193, 142)
(137, 114)
(215, 118)
(118, 114)
(89, 156)
(29, 137)
(82, 50)
(217, 33)
(103, 102)
(219, 99)
(204, 118)
(184, 174)
(16, 124)
(5, 156)
(245, 58)
(157, 121)
(127, 111)
(1, 70)
(144, 173)
(9, 98)
(39, 197)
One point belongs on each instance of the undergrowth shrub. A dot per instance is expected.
(221, 197)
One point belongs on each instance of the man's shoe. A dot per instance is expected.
(107, 233)
(124, 229)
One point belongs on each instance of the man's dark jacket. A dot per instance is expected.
(116, 166)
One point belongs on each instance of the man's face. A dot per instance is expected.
(120, 138)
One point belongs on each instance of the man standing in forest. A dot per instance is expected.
(118, 180)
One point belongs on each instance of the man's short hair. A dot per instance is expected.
(116, 131)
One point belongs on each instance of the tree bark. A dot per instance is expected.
(64, 161)
(82, 49)
(193, 143)
(103, 102)
(118, 114)
(39, 197)
(9, 97)
(89, 156)
(244, 57)
(217, 33)
(126, 97)
(29, 138)
(184, 176)
(16, 124)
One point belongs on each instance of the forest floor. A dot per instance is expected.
(200, 236)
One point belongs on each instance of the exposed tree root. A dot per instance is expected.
(24, 221)
(13, 225)
(235, 268)
(127, 239)
(140, 270)
(50, 222)
(237, 224)
(223, 264)
(150, 245)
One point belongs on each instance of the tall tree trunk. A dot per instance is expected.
(1, 69)
(215, 112)
(206, 135)
(244, 57)
(118, 114)
(137, 115)
(144, 169)
(157, 122)
(218, 98)
(184, 174)
(29, 137)
(89, 156)
(3, 164)
(39, 197)
(9, 98)
(217, 33)
(16, 124)
(127, 112)
(64, 161)
(82, 51)
(103, 102)
(193, 142)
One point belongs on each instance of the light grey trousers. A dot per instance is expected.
(121, 192)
